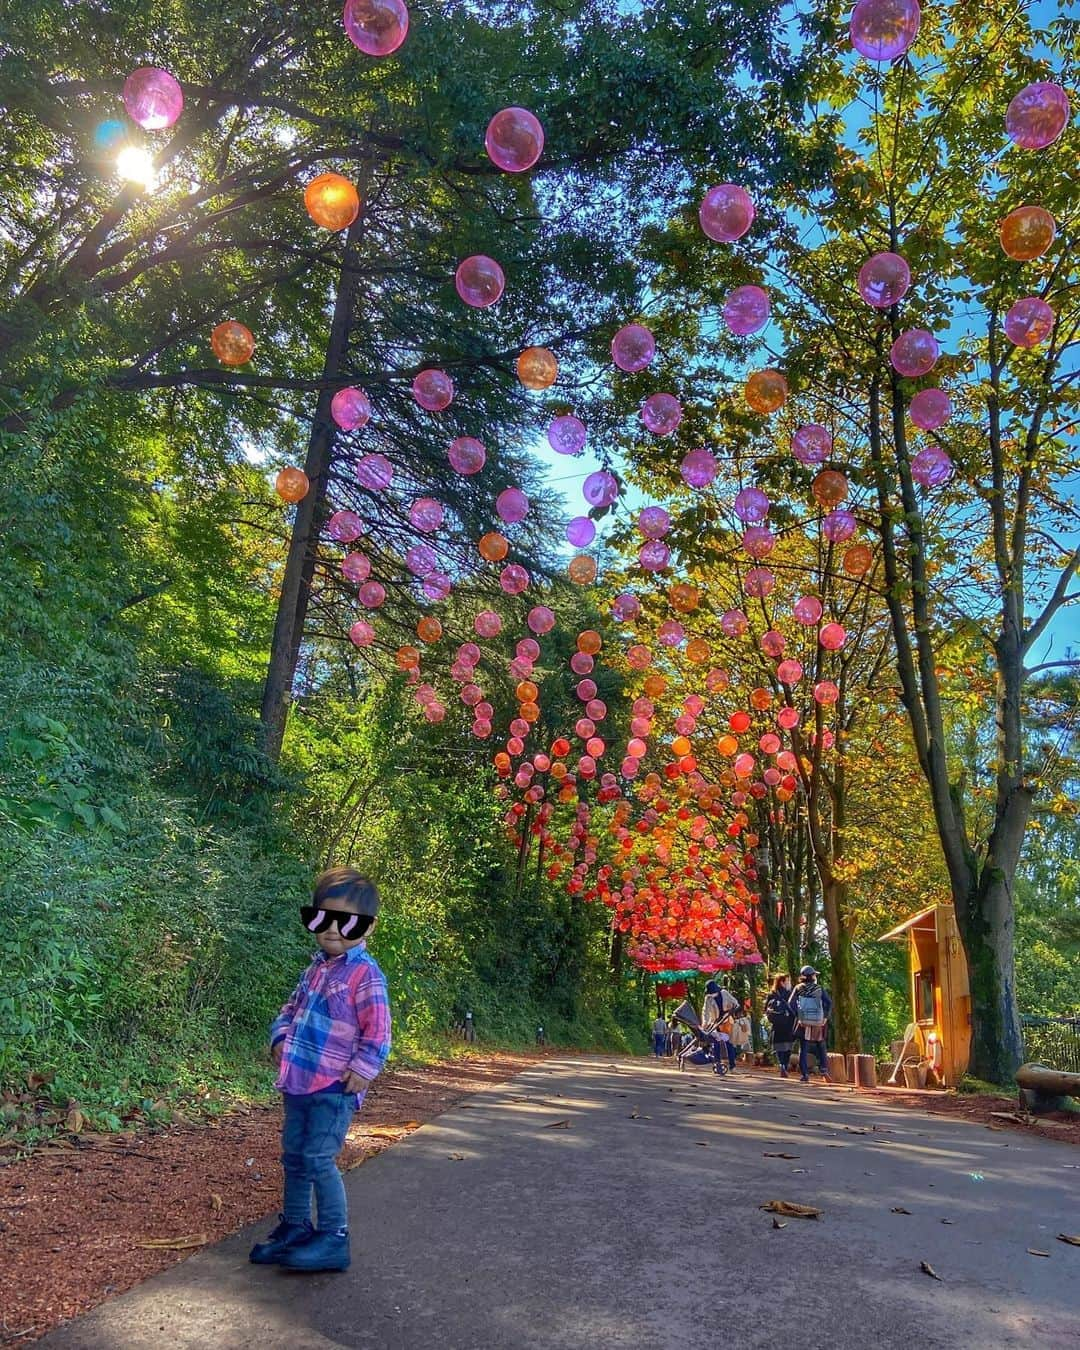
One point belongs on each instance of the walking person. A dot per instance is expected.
(811, 1007)
(659, 1037)
(782, 1020)
(717, 1020)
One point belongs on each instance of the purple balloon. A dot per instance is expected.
(914, 353)
(882, 30)
(734, 623)
(633, 347)
(374, 472)
(661, 413)
(514, 579)
(566, 435)
(540, 619)
(726, 213)
(421, 559)
(356, 567)
(426, 514)
(759, 541)
(751, 506)
(350, 409)
(514, 140)
(1029, 322)
(581, 532)
(479, 281)
(433, 390)
(884, 279)
(436, 586)
(344, 527)
(746, 310)
(511, 505)
(625, 607)
(466, 455)
(759, 583)
(930, 409)
(1037, 116)
(153, 98)
(811, 444)
(654, 555)
(698, 468)
(931, 466)
(600, 488)
(653, 522)
(839, 525)
(671, 633)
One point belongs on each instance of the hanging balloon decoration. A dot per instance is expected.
(479, 281)
(726, 213)
(514, 140)
(232, 343)
(537, 368)
(292, 485)
(633, 348)
(433, 390)
(376, 27)
(351, 409)
(1037, 115)
(332, 202)
(153, 98)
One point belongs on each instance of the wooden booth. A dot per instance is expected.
(940, 994)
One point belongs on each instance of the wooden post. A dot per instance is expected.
(865, 1070)
(837, 1067)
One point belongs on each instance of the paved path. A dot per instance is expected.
(637, 1224)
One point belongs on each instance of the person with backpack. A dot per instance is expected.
(782, 1020)
(811, 1006)
(717, 1020)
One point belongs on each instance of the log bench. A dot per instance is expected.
(1043, 1089)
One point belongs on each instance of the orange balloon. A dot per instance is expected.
(332, 201)
(697, 650)
(1027, 233)
(654, 685)
(683, 597)
(526, 692)
(680, 746)
(858, 560)
(589, 642)
(582, 570)
(429, 629)
(493, 547)
(727, 745)
(292, 485)
(766, 391)
(232, 343)
(537, 368)
(760, 699)
(408, 658)
(529, 712)
(830, 488)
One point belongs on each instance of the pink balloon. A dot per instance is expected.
(153, 98)
(371, 594)
(931, 467)
(479, 281)
(377, 27)
(466, 455)
(759, 541)
(759, 583)
(514, 579)
(826, 693)
(581, 663)
(487, 624)
(344, 527)
(374, 473)
(839, 525)
(726, 213)
(654, 555)
(586, 691)
(471, 695)
(746, 310)
(832, 637)
(811, 444)
(356, 567)
(528, 649)
(567, 434)
(734, 622)
(807, 609)
(751, 505)
(633, 347)
(581, 532)
(661, 413)
(540, 619)
(884, 279)
(1029, 322)
(671, 633)
(600, 488)
(882, 30)
(625, 607)
(653, 522)
(789, 673)
(481, 728)
(769, 744)
(930, 409)
(362, 634)
(698, 468)
(514, 140)
(433, 390)
(350, 409)
(511, 505)
(421, 559)
(787, 719)
(744, 765)
(436, 586)
(1037, 115)
(914, 353)
(426, 514)
(468, 654)
(773, 643)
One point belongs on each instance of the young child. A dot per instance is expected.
(329, 1041)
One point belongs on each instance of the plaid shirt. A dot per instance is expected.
(337, 1019)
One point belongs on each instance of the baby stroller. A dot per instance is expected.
(704, 1048)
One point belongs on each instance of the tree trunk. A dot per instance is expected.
(303, 545)
(616, 958)
(847, 1025)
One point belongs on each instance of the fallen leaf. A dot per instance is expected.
(791, 1210)
(392, 1131)
(456, 1157)
(702, 1143)
(177, 1244)
(777, 1224)
(928, 1269)
(779, 1155)
(38, 1080)
(1073, 1239)
(1010, 1115)
(899, 1209)
(948, 1221)
(634, 1114)
(215, 1202)
(1034, 1251)
(558, 1125)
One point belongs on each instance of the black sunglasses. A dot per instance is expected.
(349, 925)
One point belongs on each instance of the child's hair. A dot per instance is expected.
(349, 886)
(778, 981)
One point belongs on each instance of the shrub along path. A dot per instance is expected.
(589, 1202)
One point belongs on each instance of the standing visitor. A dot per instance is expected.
(811, 1006)
(742, 1034)
(659, 1037)
(782, 1020)
(329, 1041)
(675, 1037)
(717, 1019)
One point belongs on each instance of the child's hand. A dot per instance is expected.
(276, 1051)
(353, 1082)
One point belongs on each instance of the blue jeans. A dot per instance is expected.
(818, 1047)
(311, 1138)
(659, 1042)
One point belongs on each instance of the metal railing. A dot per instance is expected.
(1053, 1041)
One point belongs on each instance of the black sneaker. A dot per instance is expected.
(284, 1236)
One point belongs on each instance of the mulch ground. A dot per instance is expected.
(77, 1215)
